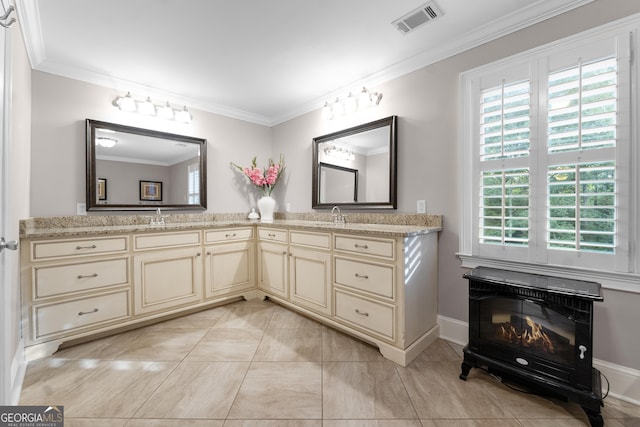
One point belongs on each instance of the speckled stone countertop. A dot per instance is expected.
(393, 225)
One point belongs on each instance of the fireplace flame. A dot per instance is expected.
(533, 337)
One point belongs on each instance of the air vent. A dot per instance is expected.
(421, 15)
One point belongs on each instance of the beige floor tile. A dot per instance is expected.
(364, 390)
(554, 422)
(108, 348)
(437, 392)
(196, 390)
(372, 423)
(290, 345)
(273, 423)
(474, 423)
(339, 347)
(232, 345)
(200, 320)
(174, 423)
(439, 351)
(48, 381)
(526, 405)
(283, 318)
(94, 422)
(163, 344)
(616, 408)
(118, 389)
(253, 314)
(280, 390)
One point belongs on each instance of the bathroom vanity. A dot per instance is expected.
(377, 282)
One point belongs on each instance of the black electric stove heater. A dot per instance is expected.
(536, 331)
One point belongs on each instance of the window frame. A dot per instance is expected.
(622, 272)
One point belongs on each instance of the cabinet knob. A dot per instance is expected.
(208, 253)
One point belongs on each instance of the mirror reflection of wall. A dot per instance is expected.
(338, 184)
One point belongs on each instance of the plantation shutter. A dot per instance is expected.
(503, 148)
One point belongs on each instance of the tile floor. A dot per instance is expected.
(254, 363)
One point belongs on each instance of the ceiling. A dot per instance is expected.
(257, 60)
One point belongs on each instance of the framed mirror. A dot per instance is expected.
(356, 167)
(143, 169)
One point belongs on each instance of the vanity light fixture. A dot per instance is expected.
(183, 115)
(126, 103)
(339, 153)
(147, 107)
(351, 104)
(165, 111)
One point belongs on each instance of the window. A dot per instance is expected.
(546, 157)
(193, 190)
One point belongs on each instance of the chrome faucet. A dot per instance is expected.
(338, 218)
(158, 219)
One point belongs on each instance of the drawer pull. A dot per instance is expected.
(361, 276)
(357, 246)
(362, 313)
(82, 313)
(80, 276)
(273, 236)
(85, 247)
(229, 236)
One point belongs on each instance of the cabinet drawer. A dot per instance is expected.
(272, 235)
(376, 247)
(61, 279)
(230, 235)
(77, 247)
(374, 278)
(367, 314)
(163, 240)
(55, 318)
(315, 240)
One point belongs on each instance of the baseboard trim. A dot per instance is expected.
(18, 370)
(624, 382)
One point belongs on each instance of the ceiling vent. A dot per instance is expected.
(421, 15)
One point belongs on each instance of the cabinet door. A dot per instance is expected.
(229, 268)
(310, 279)
(272, 269)
(166, 279)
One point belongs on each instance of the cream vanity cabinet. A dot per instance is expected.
(385, 290)
(167, 270)
(72, 287)
(273, 254)
(229, 261)
(310, 270)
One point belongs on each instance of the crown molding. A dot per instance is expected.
(29, 15)
(534, 13)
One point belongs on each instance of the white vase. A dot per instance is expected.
(266, 205)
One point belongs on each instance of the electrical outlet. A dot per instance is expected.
(288, 207)
(421, 206)
(81, 209)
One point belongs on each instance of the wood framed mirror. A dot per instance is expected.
(125, 156)
(367, 152)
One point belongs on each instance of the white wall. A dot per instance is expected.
(60, 106)
(426, 102)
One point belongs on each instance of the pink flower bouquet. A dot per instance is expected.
(265, 179)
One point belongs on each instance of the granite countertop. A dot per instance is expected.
(392, 225)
